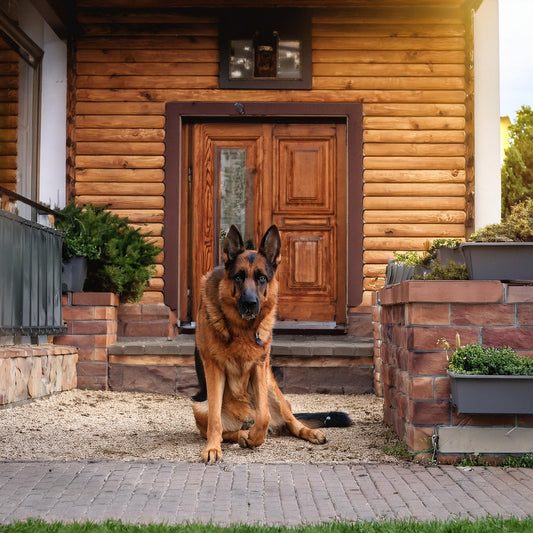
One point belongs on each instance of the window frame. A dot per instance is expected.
(292, 24)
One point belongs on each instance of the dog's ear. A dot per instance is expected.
(271, 246)
(233, 245)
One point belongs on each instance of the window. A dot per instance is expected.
(265, 49)
(19, 110)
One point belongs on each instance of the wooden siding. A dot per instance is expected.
(9, 71)
(406, 65)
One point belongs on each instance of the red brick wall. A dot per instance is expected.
(410, 365)
(91, 319)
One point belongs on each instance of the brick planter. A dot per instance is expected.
(410, 367)
(91, 319)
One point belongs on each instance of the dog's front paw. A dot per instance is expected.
(243, 439)
(313, 435)
(211, 455)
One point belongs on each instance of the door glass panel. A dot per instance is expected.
(236, 200)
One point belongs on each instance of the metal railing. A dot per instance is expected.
(30, 274)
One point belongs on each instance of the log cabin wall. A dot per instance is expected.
(406, 64)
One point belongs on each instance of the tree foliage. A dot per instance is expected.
(517, 169)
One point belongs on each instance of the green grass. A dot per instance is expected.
(487, 525)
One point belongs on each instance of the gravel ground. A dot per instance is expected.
(85, 425)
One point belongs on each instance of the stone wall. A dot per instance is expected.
(28, 372)
(91, 319)
(410, 365)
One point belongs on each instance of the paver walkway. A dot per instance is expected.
(289, 494)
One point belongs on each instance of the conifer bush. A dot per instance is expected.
(120, 259)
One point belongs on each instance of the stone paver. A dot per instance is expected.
(276, 494)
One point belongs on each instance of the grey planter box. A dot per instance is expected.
(504, 261)
(492, 394)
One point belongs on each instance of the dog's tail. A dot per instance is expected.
(333, 419)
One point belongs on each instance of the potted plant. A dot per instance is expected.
(443, 259)
(490, 380)
(119, 258)
(503, 251)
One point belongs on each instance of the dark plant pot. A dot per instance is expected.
(397, 272)
(446, 255)
(74, 273)
(504, 261)
(492, 394)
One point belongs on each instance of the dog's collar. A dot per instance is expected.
(258, 340)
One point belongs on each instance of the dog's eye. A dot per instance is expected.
(239, 277)
(261, 278)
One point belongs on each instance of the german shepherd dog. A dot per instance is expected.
(239, 399)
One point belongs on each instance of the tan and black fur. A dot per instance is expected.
(239, 398)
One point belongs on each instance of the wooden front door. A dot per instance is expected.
(292, 175)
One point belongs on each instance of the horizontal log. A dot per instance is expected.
(414, 230)
(164, 16)
(377, 256)
(374, 270)
(120, 134)
(140, 215)
(144, 29)
(414, 217)
(447, 44)
(102, 188)
(413, 150)
(373, 284)
(145, 81)
(120, 121)
(110, 161)
(154, 230)
(388, 69)
(122, 148)
(123, 202)
(136, 99)
(151, 42)
(396, 244)
(367, 299)
(120, 108)
(414, 136)
(193, 68)
(413, 110)
(8, 135)
(414, 189)
(156, 284)
(406, 12)
(415, 203)
(414, 163)
(120, 175)
(388, 56)
(414, 123)
(414, 176)
(152, 297)
(387, 83)
(133, 54)
(8, 161)
(345, 29)
(8, 148)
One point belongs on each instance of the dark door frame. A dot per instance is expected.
(177, 112)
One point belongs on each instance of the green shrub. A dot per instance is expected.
(451, 271)
(119, 258)
(481, 360)
(517, 226)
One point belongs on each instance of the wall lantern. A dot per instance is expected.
(265, 49)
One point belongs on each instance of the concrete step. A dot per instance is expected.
(301, 363)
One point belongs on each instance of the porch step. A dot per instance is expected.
(301, 363)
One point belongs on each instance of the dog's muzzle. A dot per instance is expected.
(249, 305)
